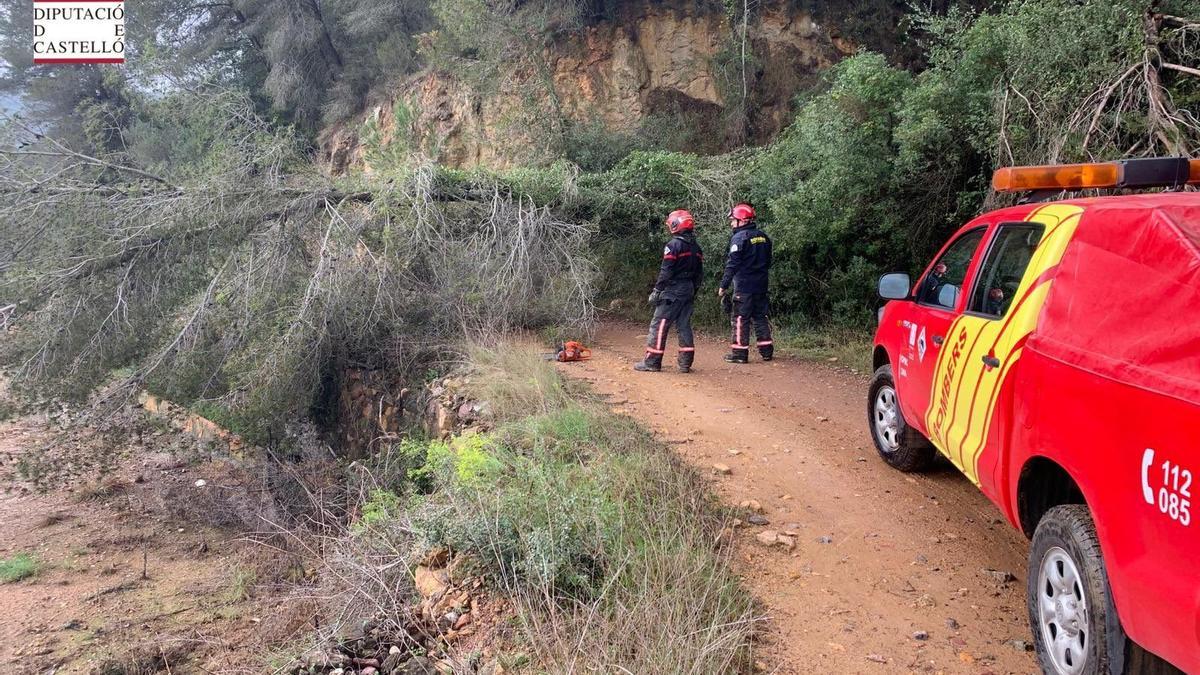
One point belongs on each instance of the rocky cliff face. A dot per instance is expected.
(681, 66)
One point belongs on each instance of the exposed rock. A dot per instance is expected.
(418, 665)
(444, 425)
(767, 537)
(1002, 578)
(651, 60)
(370, 404)
(430, 583)
(758, 520)
(751, 505)
(436, 558)
(722, 469)
(393, 660)
(773, 538)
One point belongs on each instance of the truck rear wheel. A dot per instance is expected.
(1075, 626)
(901, 446)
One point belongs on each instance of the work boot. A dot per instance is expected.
(685, 361)
(651, 364)
(767, 352)
(738, 356)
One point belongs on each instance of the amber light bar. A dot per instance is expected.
(1171, 172)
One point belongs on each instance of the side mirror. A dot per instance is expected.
(894, 286)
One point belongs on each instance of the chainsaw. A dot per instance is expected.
(573, 351)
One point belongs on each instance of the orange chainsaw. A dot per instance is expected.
(573, 351)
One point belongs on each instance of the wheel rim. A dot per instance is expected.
(1063, 612)
(888, 422)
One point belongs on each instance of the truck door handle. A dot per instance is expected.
(938, 340)
(991, 362)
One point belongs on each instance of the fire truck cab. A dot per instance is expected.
(1051, 352)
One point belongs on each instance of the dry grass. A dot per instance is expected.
(609, 545)
(148, 659)
(844, 347)
(516, 383)
(100, 489)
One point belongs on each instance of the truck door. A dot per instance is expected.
(938, 300)
(1007, 293)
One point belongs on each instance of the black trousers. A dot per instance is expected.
(670, 312)
(750, 311)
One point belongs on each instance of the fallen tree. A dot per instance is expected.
(206, 261)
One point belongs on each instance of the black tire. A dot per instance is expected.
(1095, 635)
(908, 451)
(1138, 661)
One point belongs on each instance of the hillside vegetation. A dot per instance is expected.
(880, 164)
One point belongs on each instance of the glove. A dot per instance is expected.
(654, 297)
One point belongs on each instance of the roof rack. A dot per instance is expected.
(1128, 174)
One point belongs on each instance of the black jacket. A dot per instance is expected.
(749, 261)
(682, 268)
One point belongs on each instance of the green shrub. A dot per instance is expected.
(380, 507)
(20, 566)
(592, 147)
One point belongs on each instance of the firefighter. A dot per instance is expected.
(994, 304)
(747, 269)
(932, 285)
(674, 295)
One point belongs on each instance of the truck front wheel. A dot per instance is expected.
(901, 446)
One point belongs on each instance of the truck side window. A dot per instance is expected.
(1004, 267)
(942, 286)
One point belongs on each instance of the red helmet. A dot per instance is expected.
(679, 221)
(742, 212)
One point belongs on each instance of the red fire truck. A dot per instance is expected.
(1051, 351)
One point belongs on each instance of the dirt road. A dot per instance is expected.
(891, 573)
(120, 587)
